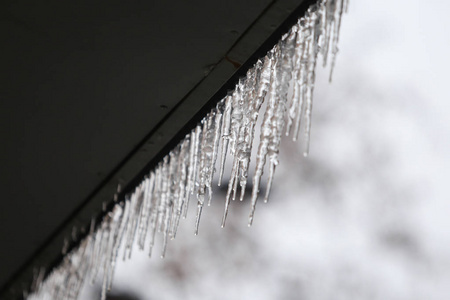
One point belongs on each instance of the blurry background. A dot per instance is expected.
(367, 214)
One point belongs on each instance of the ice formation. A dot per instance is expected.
(227, 132)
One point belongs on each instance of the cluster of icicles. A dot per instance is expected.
(162, 198)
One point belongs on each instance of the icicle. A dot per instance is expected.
(97, 255)
(239, 105)
(313, 51)
(114, 227)
(121, 225)
(162, 198)
(303, 45)
(252, 106)
(327, 18)
(164, 193)
(217, 128)
(144, 224)
(266, 132)
(143, 215)
(175, 188)
(191, 168)
(155, 206)
(198, 131)
(136, 202)
(180, 182)
(205, 165)
(163, 212)
(282, 79)
(341, 7)
(193, 165)
(182, 187)
(226, 124)
(295, 101)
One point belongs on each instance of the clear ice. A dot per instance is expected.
(228, 131)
